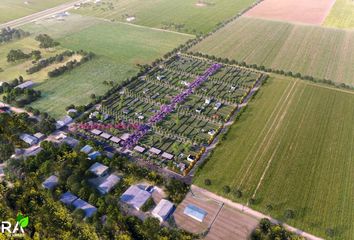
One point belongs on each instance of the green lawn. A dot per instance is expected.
(292, 149)
(119, 47)
(76, 86)
(124, 43)
(190, 16)
(341, 15)
(310, 50)
(13, 9)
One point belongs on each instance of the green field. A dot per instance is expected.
(13, 70)
(292, 148)
(310, 50)
(341, 15)
(119, 47)
(13, 9)
(191, 16)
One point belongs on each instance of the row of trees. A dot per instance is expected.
(86, 56)
(17, 54)
(267, 230)
(46, 62)
(20, 97)
(8, 34)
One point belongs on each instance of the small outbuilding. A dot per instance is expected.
(72, 142)
(39, 136)
(88, 209)
(63, 122)
(96, 132)
(94, 155)
(139, 149)
(125, 136)
(99, 169)
(135, 197)
(68, 198)
(163, 210)
(106, 135)
(51, 182)
(108, 183)
(29, 139)
(24, 85)
(86, 149)
(167, 155)
(155, 151)
(115, 139)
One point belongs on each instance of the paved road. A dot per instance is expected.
(252, 212)
(40, 15)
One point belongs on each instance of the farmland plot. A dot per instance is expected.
(315, 51)
(191, 16)
(341, 15)
(288, 152)
(301, 11)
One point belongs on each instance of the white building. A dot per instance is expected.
(163, 210)
(63, 122)
(50, 182)
(135, 197)
(27, 84)
(31, 140)
(108, 183)
(98, 169)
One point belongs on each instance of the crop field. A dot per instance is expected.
(310, 50)
(191, 16)
(118, 48)
(76, 86)
(179, 111)
(289, 152)
(123, 43)
(13, 9)
(301, 11)
(341, 15)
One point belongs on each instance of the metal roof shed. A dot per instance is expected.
(98, 169)
(115, 139)
(155, 151)
(94, 155)
(50, 182)
(135, 197)
(163, 210)
(68, 198)
(88, 209)
(96, 131)
(87, 149)
(139, 149)
(106, 135)
(167, 155)
(108, 184)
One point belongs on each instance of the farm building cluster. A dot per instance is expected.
(172, 113)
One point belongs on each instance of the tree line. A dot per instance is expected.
(9, 34)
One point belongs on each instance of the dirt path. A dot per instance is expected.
(251, 212)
